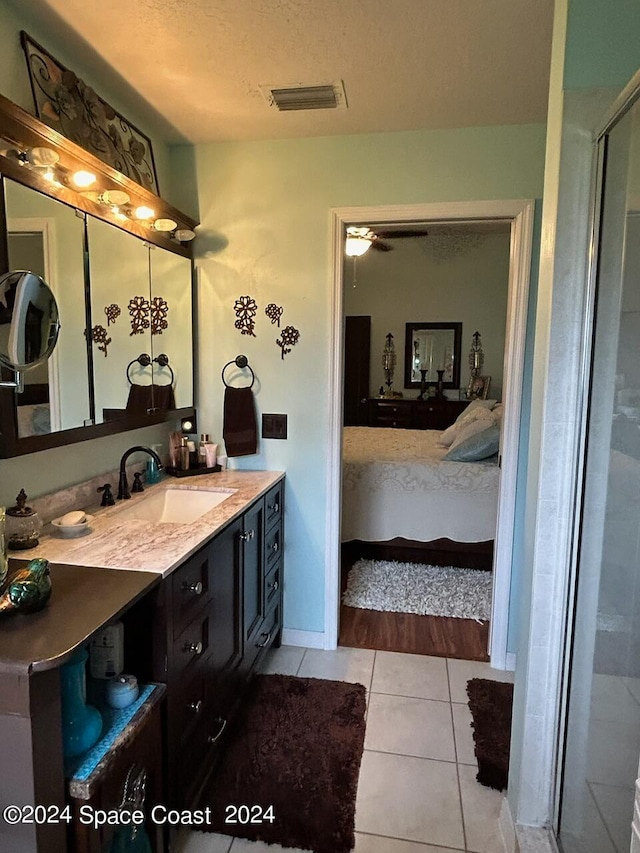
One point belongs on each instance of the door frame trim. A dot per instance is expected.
(520, 213)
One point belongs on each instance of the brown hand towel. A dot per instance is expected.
(240, 431)
(147, 398)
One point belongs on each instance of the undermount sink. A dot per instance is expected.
(175, 505)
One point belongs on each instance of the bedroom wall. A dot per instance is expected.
(448, 280)
(40, 473)
(265, 210)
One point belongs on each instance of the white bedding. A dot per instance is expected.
(395, 483)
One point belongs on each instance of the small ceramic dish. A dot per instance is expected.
(68, 531)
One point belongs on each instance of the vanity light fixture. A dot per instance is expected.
(357, 242)
(83, 178)
(144, 212)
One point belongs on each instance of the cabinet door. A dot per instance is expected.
(253, 570)
(224, 607)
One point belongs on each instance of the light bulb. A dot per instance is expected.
(144, 212)
(165, 224)
(84, 179)
(184, 235)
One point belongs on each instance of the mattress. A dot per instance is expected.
(395, 483)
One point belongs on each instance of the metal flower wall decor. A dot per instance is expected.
(113, 312)
(66, 103)
(159, 311)
(289, 337)
(246, 310)
(98, 335)
(274, 313)
(139, 312)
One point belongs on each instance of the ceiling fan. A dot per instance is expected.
(361, 239)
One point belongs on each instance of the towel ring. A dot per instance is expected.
(144, 359)
(240, 361)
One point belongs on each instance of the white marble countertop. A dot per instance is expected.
(116, 541)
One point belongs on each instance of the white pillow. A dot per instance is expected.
(476, 404)
(470, 429)
(477, 413)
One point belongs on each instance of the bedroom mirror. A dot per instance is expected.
(432, 347)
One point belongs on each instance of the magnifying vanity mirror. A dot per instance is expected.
(29, 323)
(118, 291)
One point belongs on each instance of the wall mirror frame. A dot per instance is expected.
(21, 134)
(432, 346)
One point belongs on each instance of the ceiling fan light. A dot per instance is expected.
(356, 246)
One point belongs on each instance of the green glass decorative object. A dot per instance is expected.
(28, 590)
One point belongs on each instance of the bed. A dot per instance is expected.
(397, 485)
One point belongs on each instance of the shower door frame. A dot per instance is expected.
(622, 104)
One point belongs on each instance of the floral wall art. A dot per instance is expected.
(66, 103)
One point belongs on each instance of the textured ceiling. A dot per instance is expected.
(405, 64)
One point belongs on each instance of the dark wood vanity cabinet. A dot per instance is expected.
(216, 616)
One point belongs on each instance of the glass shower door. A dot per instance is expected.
(602, 736)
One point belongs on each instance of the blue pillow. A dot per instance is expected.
(482, 445)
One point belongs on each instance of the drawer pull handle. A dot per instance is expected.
(275, 546)
(274, 507)
(196, 648)
(248, 535)
(213, 738)
(195, 588)
(196, 707)
(275, 586)
(265, 642)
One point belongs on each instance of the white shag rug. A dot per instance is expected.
(417, 588)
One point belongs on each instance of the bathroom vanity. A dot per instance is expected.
(201, 603)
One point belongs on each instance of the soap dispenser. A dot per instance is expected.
(22, 526)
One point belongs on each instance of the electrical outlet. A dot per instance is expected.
(274, 426)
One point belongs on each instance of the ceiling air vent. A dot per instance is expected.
(300, 96)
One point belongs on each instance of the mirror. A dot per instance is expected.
(46, 237)
(432, 347)
(96, 258)
(118, 336)
(29, 321)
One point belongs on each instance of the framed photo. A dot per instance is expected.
(67, 104)
(478, 388)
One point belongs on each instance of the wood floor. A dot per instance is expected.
(440, 636)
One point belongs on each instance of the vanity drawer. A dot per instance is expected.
(190, 648)
(273, 585)
(190, 589)
(273, 545)
(189, 704)
(262, 641)
(274, 504)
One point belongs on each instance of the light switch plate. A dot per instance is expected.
(274, 426)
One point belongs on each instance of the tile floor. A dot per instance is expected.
(417, 791)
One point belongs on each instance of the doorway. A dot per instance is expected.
(519, 215)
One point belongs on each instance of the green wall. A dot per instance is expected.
(265, 211)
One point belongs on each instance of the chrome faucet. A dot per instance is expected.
(123, 485)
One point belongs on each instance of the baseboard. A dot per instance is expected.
(510, 661)
(307, 639)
